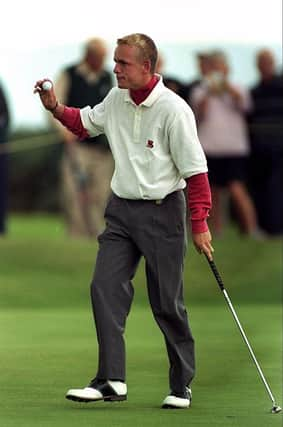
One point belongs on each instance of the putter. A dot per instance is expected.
(275, 408)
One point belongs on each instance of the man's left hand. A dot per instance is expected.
(202, 242)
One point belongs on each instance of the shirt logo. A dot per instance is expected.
(150, 143)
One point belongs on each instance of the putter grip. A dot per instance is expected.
(216, 274)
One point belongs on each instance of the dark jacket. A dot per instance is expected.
(266, 118)
(83, 93)
(4, 117)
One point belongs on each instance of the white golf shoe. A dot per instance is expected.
(109, 391)
(178, 400)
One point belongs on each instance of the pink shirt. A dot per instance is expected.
(222, 130)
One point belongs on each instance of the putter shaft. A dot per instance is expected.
(230, 305)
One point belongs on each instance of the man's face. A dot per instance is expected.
(96, 58)
(221, 66)
(266, 64)
(205, 66)
(131, 72)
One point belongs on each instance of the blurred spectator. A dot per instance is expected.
(220, 107)
(204, 64)
(266, 133)
(87, 166)
(171, 82)
(4, 125)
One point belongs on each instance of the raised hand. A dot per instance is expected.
(45, 89)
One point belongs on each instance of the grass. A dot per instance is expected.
(48, 341)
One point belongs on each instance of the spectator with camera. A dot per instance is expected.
(220, 107)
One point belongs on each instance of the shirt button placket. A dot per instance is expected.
(137, 125)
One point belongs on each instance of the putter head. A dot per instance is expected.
(276, 409)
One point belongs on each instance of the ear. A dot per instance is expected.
(147, 66)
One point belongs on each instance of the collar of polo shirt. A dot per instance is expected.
(152, 97)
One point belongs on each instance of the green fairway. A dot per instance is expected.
(48, 342)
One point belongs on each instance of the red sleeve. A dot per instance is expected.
(71, 119)
(199, 201)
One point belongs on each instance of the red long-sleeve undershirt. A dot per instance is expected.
(199, 201)
(71, 119)
(199, 195)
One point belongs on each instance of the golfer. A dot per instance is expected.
(153, 138)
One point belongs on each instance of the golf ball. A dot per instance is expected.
(47, 85)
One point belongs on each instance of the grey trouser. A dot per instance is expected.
(157, 231)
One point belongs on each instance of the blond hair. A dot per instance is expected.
(95, 45)
(145, 45)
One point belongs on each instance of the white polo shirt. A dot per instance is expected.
(154, 144)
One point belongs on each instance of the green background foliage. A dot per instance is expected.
(34, 171)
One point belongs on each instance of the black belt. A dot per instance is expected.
(155, 201)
